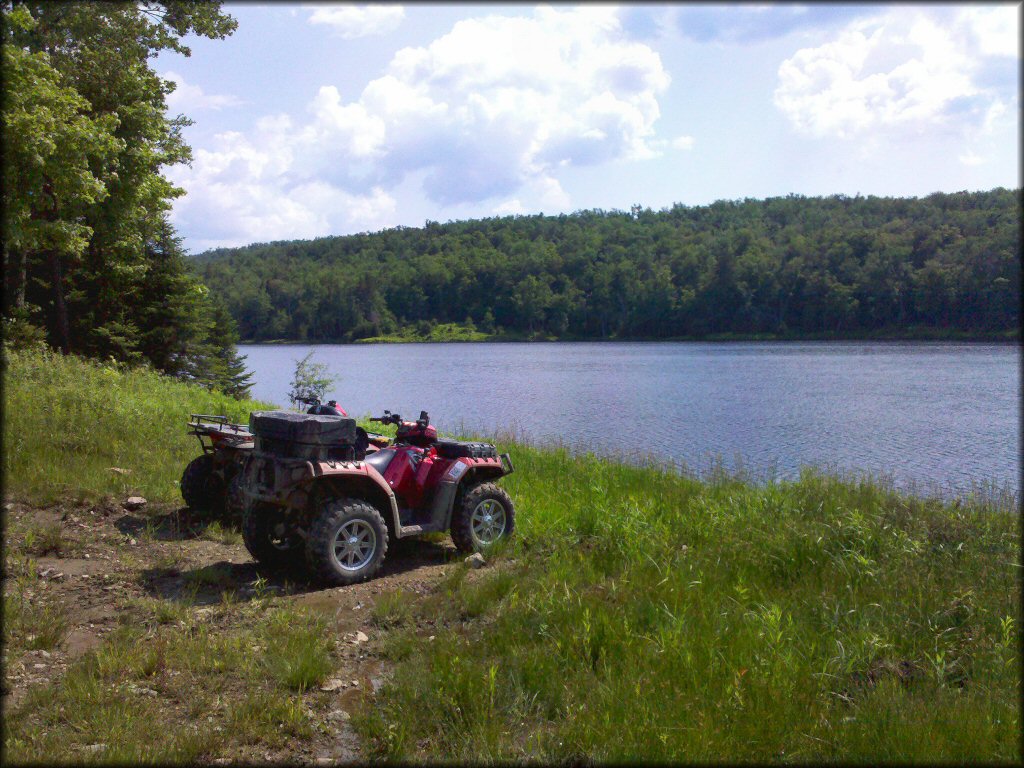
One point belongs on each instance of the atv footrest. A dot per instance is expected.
(415, 530)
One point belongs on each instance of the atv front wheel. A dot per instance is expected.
(484, 516)
(200, 486)
(347, 542)
(269, 538)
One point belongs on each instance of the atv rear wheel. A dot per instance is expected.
(483, 517)
(200, 486)
(347, 542)
(269, 538)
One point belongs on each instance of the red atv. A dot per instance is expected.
(313, 491)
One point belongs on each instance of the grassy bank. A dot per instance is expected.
(649, 616)
(639, 614)
(70, 424)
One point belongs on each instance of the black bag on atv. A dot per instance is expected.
(454, 449)
(304, 436)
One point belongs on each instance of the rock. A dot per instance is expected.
(355, 683)
(324, 761)
(332, 685)
(339, 715)
(430, 638)
(360, 638)
(119, 471)
(39, 666)
(134, 502)
(476, 560)
(94, 747)
(45, 654)
(132, 542)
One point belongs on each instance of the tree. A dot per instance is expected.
(311, 380)
(83, 186)
(51, 150)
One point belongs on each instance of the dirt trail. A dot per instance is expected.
(110, 559)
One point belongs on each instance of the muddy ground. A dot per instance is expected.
(110, 559)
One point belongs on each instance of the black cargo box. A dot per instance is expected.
(305, 428)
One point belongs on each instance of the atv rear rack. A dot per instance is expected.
(219, 429)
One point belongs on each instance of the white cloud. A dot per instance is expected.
(902, 70)
(683, 142)
(351, 21)
(501, 100)
(509, 207)
(493, 109)
(187, 97)
(244, 191)
(970, 159)
(996, 29)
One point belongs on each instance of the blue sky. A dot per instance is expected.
(329, 119)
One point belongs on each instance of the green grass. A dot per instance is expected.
(68, 421)
(160, 692)
(654, 617)
(639, 615)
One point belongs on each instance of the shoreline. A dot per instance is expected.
(967, 339)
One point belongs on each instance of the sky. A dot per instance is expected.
(332, 119)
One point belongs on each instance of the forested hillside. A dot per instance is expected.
(944, 264)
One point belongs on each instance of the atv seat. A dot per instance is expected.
(380, 460)
(454, 449)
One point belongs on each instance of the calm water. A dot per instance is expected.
(937, 415)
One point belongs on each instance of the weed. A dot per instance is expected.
(298, 649)
(221, 533)
(393, 609)
(33, 625)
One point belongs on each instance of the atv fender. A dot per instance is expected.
(463, 472)
(363, 474)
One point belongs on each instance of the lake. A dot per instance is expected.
(937, 416)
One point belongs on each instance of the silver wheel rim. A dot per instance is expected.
(354, 545)
(487, 522)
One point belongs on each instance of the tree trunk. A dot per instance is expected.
(63, 328)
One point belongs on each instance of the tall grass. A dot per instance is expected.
(654, 617)
(69, 421)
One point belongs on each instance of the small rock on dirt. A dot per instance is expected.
(94, 747)
(332, 685)
(339, 714)
(476, 560)
(119, 471)
(134, 502)
(360, 638)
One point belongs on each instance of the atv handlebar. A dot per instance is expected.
(393, 418)
(388, 418)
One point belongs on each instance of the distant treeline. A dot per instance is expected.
(788, 266)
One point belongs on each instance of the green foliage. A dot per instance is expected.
(310, 381)
(830, 267)
(84, 199)
(64, 412)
